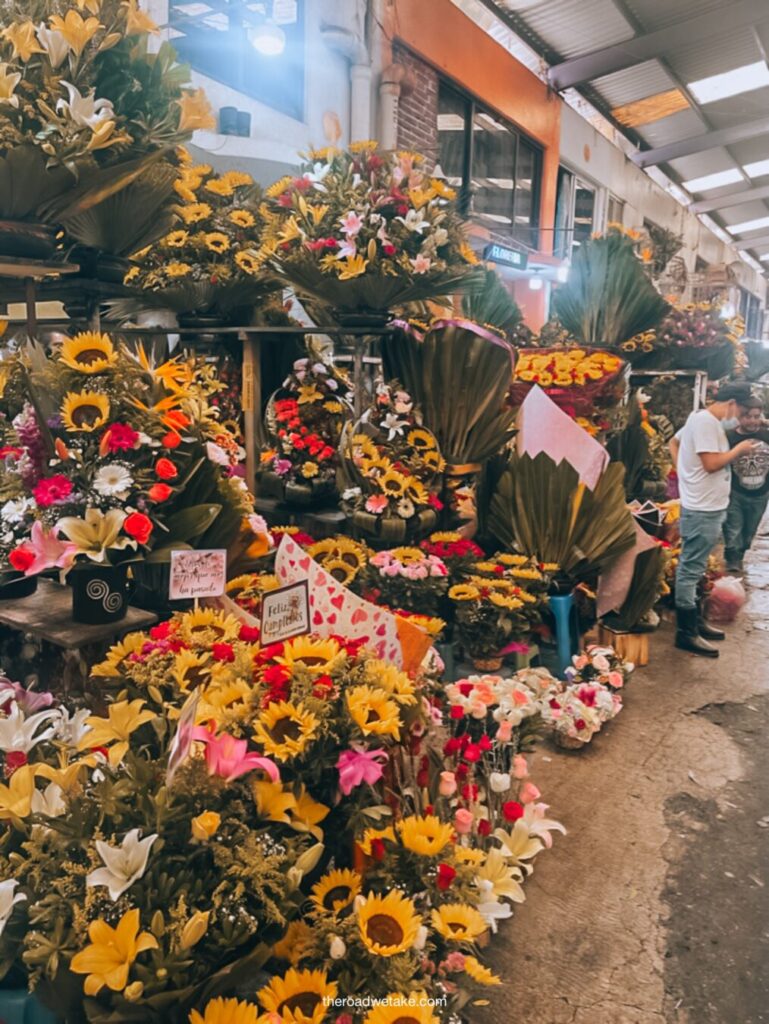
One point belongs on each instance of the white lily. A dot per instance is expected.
(86, 111)
(504, 878)
(518, 844)
(125, 864)
(492, 911)
(393, 425)
(539, 825)
(72, 727)
(49, 802)
(8, 900)
(54, 44)
(20, 734)
(414, 221)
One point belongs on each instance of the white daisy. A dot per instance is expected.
(113, 481)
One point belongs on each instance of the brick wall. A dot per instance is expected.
(418, 111)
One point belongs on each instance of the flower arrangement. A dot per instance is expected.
(204, 264)
(692, 336)
(601, 665)
(567, 368)
(578, 711)
(305, 420)
(409, 578)
(343, 558)
(112, 457)
(391, 465)
(455, 551)
(493, 616)
(247, 590)
(173, 877)
(83, 97)
(363, 230)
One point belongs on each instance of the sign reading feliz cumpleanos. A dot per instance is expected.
(285, 613)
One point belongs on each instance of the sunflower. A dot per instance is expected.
(219, 187)
(464, 592)
(221, 695)
(89, 352)
(408, 556)
(458, 922)
(192, 213)
(431, 624)
(508, 559)
(373, 834)
(393, 483)
(341, 548)
(237, 178)
(421, 439)
(205, 626)
(391, 679)
(416, 491)
(284, 730)
(341, 571)
(189, 669)
(480, 973)
(226, 1011)
(184, 192)
(397, 1008)
(84, 410)
(242, 218)
(373, 711)
(364, 444)
(118, 653)
(505, 601)
(335, 890)
(176, 239)
(318, 657)
(299, 996)
(433, 460)
(467, 855)
(176, 269)
(131, 275)
(294, 944)
(216, 241)
(248, 264)
(425, 835)
(388, 924)
(445, 537)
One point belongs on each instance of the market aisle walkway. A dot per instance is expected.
(655, 907)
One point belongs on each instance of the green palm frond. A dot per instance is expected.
(488, 302)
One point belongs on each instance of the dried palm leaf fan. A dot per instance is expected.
(541, 508)
(458, 373)
(487, 301)
(608, 297)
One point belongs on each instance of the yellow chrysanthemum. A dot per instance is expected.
(445, 537)
(176, 239)
(388, 924)
(226, 1011)
(427, 835)
(480, 973)
(285, 730)
(318, 657)
(216, 241)
(192, 213)
(397, 1008)
(373, 711)
(242, 218)
(84, 410)
(458, 922)
(508, 559)
(469, 855)
(335, 890)
(89, 352)
(299, 997)
(294, 944)
(408, 556)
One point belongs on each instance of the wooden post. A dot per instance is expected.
(251, 399)
(30, 297)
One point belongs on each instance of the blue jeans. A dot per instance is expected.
(700, 532)
(743, 518)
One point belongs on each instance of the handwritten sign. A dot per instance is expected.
(285, 613)
(197, 574)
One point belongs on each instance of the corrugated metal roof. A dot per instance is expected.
(713, 56)
(657, 14)
(572, 27)
(634, 83)
(670, 129)
(748, 106)
(699, 164)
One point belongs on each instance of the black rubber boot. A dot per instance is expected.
(706, 631)
(688, 637)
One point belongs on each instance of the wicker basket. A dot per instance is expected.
(568, 742)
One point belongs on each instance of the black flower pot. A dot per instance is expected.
(25, 240)
(99, 593)
(15, 585)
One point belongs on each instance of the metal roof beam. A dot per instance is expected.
(730, 199)
(701, 143)
(594, 65)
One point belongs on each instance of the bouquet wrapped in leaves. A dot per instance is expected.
(494, 616)
(305, 419)
(204, 264)
(690, 337)
(390, 469)
(363, 231)
(87, 109)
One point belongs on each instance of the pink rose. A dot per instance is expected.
(529, 793)
(463, 821)
(505, 732)
(520, 767)
(448, 785)
(580, 661)
(616, 680)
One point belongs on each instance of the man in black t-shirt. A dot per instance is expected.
(750, 485)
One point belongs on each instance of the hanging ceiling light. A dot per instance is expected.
(268, 39)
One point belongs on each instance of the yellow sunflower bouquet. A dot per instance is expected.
(494, 616)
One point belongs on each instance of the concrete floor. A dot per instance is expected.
(654, 909)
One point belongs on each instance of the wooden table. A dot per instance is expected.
(47, 615)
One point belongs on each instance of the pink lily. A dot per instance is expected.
(228, 757)
(29, 701)
(49, 551)
(358, 766)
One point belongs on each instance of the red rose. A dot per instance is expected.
(377, 849)
(52, 490)
(21, 558)
(388, 249)
(423, 778)
(276, 675)
(457, 712)
(512, 810)
(249, 634)
(159, 492)
(120, 437)
(446, 875)
(166, 470)
(461, 771)
(452, 746)
(223, 652)
(484, 827)
(162, 631)
(171, 440)
(14, 759)
(472, 753)
(579, 725)
(469, 791)
(484, 743)
(138, 526)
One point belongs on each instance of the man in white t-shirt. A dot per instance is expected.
(703, 459)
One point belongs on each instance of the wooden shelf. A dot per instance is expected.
(38, 270)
